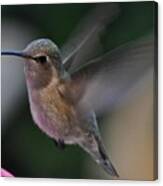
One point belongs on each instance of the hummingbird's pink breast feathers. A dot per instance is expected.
(53, 113)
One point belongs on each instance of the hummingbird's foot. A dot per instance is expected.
(55, 142)
(60, 143)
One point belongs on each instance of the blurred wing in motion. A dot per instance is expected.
(84, 42)
(104, 81)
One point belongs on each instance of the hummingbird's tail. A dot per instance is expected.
(96, 149)
(105, 162)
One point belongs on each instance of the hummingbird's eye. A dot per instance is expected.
(41, 59)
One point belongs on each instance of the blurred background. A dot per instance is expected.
(127, 131)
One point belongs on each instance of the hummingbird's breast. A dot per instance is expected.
(54, 112)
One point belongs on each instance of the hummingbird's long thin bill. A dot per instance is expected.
(15, 53)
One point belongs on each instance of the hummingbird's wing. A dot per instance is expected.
(105, 80)
(85, 40)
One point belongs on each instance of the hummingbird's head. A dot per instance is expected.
(42, 61)
(43, 51)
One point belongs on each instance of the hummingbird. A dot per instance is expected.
(67, 92)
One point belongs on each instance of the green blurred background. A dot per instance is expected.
(26, 151)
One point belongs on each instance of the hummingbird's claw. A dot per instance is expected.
(55, 142)
(60, 144)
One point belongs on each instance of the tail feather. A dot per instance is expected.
(106, 163)
(104, 160)
(95, 148)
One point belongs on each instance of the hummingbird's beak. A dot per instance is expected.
(15, 53)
